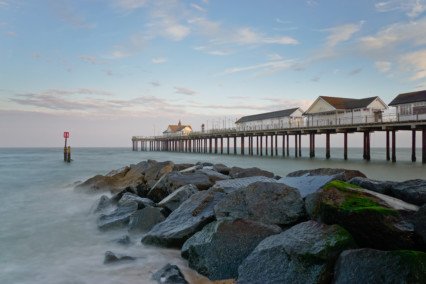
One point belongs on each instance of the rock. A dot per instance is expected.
(116, 197)
(312, 202)
(129, 197)
(110, 258)
(212, 174)
(204, 164)
(420, 223)
(218, 249)
(145, 219)
(305, 253)
(175, 199)
(221, 168)
(374, 266)
(157, 170)
(373, 185)
(182, 167)
(309, 181)
(169, 274)
(98, 183)
(249, 172)
(102, 205)
(269, 203)
(173, 180)
(118, 218)
(411, 191)
(231, 185)
(375, 220)
(124, 240)
(191, 216)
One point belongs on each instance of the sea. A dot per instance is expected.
(47, 234)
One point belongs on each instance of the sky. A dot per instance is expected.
(107, 70)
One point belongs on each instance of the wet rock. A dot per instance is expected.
(124, 240)
(237, 172)
(118, 218)
(309, 181)
(157, 170)
(175, 199)
(182, 167)
(212, 174)
(269, 203)
(218, 249)
(375, 220)
(102, 205)
(420, 223)
(111, 257)
(117, 196)
(411, 191)
(221, 168)
(98, 183)
(305, 253)
(173, 180)
(130, 197)
(374, 266)
(169, 274)
(231, 185)
(145, 219)
(189, 218)
(373, 185)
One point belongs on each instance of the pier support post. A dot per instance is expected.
(367, 152)
(310, 145)
(387, 146)
(272, 145)
(345, 145)
(413, 145)
(257, 145)
(235, 145)
(215, 145)
(266, 145)
(242, 144)
(300, 145)
(276, 145)
(221, 145)
(327, 145)
(424, 146)
(393, 146)
(288, 145)
(252, 145)
(313, 144)
(295, 145)
(210, 145)
(261, 145)
(283, 148)
(227, 144)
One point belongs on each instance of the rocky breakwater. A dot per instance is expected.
(312, 226)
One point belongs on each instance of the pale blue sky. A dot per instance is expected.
(109, 69)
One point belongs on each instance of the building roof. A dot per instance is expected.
(177, 128)
(413, 97)
(267, 115)
(346, 103)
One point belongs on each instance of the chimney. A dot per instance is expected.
(179, 124)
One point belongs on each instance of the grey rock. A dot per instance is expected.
(212, 174)
(175, 199)
(346, 174)
(411, 191)
(145, 219)
(118, 218)
(130, 197)
(269, 203)
(183, 167)
(157, 170)
(124, 240)
(189, 218)
(231, 185)
(371, 184)
(374, 266)
(305, 253)
(102, 205)
(420, 223)
(169, 274)
(218, 249)
(111, 257)
(221, 168)
(237, 172)
(118, 195)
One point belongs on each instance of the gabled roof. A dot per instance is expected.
(412, 97)
(346, 103)
(177, 128)
(267, 115)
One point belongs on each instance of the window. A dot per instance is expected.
(405, 109)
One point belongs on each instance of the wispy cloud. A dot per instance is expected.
(197, 7)
(12, 34)
(184, 91)
(383, 66)
(413, 8)
(92, 60)
(155, 84)
(36, 55)
(341, 33)
(131, 4)
(67, 13)
(159, 60)
(3, 4)
(355, 72)
(416, 62)
(274, 56)
(267, 68)
(312, 3)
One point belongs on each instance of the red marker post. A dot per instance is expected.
(67, 151)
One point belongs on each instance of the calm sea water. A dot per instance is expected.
(48, 236)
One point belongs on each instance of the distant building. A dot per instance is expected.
(336, 111)
(177, 130)
(410, 106)
(271, 120)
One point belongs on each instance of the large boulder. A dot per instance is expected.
(305, 253)
(103, 204)
(118, 218)
(169, 274)
(189, 218)
(237, 172)
(157, 170)
(420, 223)
(269, 203)
(218, 249)
(231, 185)
(175, 199)
(382, 187)
(212, 174)
(309, 181)
(375, 220)
(129, 197)
(221, 168)
(374, 266)
(145, 219)
(173, 180)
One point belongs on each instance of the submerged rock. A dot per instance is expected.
(269, 203)
(175, 199)
(374, 266)
(169, 274)
(305, 253)
(111, 257)
(237, 172)
(218, 249)
(191, 216)
(124, 240)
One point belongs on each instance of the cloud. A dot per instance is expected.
(12, 34)
(131, 4)
(274, 56)
(155, 84)
(218, 52)
(159, 60)
(197, 7)
(184, 91)
(416, 62)
(383, 66)
(312, 3)
(91, 60)
(412, 8)
(355, 71)
(67, 13)
(267, 68)
(36, 55)
(341, 33)
(3, 4)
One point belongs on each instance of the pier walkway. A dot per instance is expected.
(265, 141)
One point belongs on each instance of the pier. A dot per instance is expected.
(264, 142)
